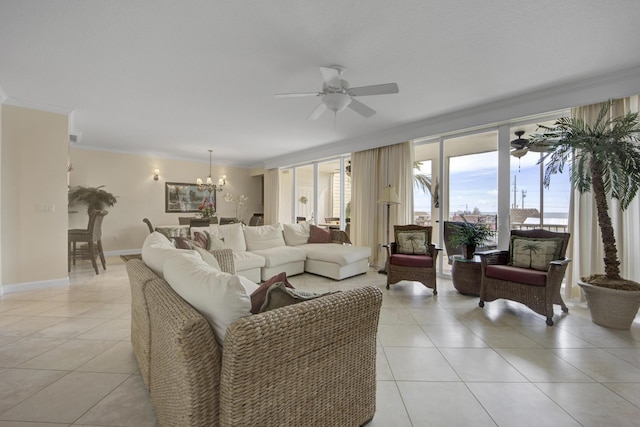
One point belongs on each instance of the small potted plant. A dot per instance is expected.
(470, 235)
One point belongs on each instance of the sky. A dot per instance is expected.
(474, 183)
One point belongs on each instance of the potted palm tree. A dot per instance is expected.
(604, 158)
(95, 198)
(469, 235)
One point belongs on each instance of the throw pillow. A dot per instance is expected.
(259, 295)
(201, 238)
(215, 242)
(535, 253)
(279, 295)
(412, 242)
(296, 234)
(208, 257)
(319, 235)
(185, 243)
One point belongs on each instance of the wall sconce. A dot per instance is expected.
(156, 174)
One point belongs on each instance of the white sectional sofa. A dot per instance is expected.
(261, 252)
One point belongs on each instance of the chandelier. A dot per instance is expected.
(209, 185)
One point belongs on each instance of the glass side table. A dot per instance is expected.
(465, 274)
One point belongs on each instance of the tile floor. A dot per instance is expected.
(65, 359)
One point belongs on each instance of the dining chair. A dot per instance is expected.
(92, 237)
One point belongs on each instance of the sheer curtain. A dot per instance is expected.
(371, 171)
(586, 249)
(271, 195)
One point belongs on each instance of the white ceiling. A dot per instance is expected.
(176, 78)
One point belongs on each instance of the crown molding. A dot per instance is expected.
(558, 97)
(50, 108)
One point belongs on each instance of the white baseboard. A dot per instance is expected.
(123, 252)
(34, 286)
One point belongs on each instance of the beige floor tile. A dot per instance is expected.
(442, 404)
(67, 399)
(434, 315)
(6, 320)
(553, 337)
(28, 325)
(631, 355)
(600, 365)
(69, 327)
(19, 384)
(593, 405)
(542, 365)
(476, 316)
(396, 316)
(403, 336)
(481, 364)
(116, 359)
(609, 338)
(70, 309)
(33, 308)
(629, 391)
(69, 355)
(24, 349)
(419, 364)
(498, 336)
(29, 424)
(107, 311)
(390, 410)
(452, 336)
(520, 404)
(115, 329)
(127, 405)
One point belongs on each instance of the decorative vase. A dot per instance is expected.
(611, 308)
(468, 251)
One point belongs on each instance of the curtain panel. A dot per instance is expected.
(271, 195)
(586, 249)
(372, 170)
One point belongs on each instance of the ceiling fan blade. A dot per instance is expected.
(382, 89)
(294, 95)
(317, 112)
(361, 109)
(331, 76)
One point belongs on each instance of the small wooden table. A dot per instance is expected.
(465, 274)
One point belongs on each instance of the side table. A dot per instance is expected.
(465, 274)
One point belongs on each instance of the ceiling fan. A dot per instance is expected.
(522, 146)
(337, 95)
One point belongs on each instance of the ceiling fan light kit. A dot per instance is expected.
(337, 96)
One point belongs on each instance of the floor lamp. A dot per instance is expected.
(389, 197)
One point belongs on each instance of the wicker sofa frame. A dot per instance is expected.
(538, 298)
(308, 364)
(426, 276)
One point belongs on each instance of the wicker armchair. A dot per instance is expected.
(536, 289)
(415, 267)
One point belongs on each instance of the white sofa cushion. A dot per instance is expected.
(219, 297)
(281, 255)
(247, 260)
(335, 253)
(296, 234)
(263, 237)
(156, 249)
(232, 235)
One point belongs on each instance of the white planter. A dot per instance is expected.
(610, 307)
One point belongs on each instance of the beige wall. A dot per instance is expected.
(34, 161)
(130, 178)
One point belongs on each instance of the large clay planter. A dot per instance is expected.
(610, 307)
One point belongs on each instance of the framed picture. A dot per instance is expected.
(185, 197)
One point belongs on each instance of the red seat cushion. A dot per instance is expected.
(406, 260)
(509, 273)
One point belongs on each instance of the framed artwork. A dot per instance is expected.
(185, 197)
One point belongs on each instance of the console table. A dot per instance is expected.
(465, 274)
